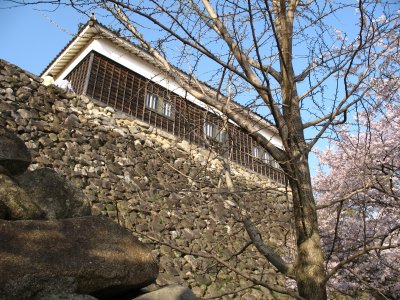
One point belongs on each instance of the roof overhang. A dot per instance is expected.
(91, 31)
(73, 48)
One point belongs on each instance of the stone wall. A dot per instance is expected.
(161, 188)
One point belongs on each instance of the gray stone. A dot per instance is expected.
(84, 99)
(14, 155)
(71, 121)
(15, 203)
(59, 106)
(23, 93)
(184, 146)
(45, 141)
(138, 145)
(134, 129)
(148, 143)
(170, 292)
(109, 109)
(24, 78)
(50, 191)
(9, 91)
(87, 255)
(24, 113)
(199, 290)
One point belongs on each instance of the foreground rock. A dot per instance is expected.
(41, 194)
(14, 155)
(67, 297)
(87, 255)
(15, 203)
(171, 292)
(57, 197)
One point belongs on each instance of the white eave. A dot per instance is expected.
(91, 31)
(71, 51)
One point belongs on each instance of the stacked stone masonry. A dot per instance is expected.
(160, 188)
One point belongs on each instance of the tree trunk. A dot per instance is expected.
(310, 271)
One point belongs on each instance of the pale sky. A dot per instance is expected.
(31, 38)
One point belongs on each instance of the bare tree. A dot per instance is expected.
(306, 65)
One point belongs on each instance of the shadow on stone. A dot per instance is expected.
(170, 292)
(57, 197)
(14, 155)
(86, 255)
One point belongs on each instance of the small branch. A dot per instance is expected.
(355, 256)
(229, 293)
(269, 69)
(367, 284)
(255, 236)
(235, 270)
(268, 252)
(303, 74)
(344, 198)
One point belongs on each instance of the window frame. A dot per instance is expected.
(158, 104)
(213, 132)
(255, 151)
(263, 155)
(152, 101)
(169, 113)
(266, 157)
(206, 126)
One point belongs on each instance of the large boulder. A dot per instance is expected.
(56, 196)
(68, 297)
(15, 203)
(86, 255)
(170, 292)
(14, 155)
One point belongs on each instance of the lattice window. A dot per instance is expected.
(256, 152)
(209, 129)
(167, 109)
(151, 101)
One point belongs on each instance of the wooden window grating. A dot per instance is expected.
(127, 91)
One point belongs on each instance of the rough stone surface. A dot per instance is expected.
(153, 184)
(3, 210)
(67, 297)
(171, 292)
(58, 198)
(15, 203)
(87, 255)
(14, 155)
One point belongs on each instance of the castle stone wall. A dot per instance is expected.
(168, 193)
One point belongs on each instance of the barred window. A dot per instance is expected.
(256, 151)
(167, 109)
(151, 101)
(267, 157)
(209, 129)
(222, 136)
(159, 105)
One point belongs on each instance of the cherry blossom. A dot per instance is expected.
(359, 201)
